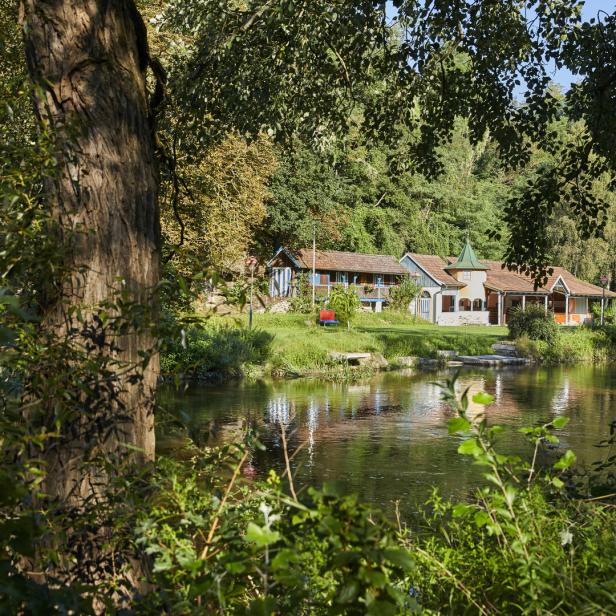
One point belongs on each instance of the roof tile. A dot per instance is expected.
(340, 261)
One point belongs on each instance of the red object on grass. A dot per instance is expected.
(327, 315)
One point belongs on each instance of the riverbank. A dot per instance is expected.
(572, 345)
(292, 345)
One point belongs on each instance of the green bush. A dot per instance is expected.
(215, 349)
(301, 301)
(576, 344)
(609, 313)
(532, 322)
(345, 301)
(401, 296)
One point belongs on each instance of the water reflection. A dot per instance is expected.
(387, 438)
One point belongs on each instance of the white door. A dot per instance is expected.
(424, 306)
(280, 281)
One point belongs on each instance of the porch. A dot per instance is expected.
(567, 309)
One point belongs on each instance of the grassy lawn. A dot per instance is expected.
(298, 345)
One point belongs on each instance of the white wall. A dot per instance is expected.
(479, 317)
(474, 288)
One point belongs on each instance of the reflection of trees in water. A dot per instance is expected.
(387, 438)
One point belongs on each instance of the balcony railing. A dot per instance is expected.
(364, 292)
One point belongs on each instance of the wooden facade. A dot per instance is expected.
(372, 276)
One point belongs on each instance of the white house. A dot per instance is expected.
(467, 290)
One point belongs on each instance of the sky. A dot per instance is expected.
(564, 77)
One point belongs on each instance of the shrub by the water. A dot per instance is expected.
(533, 322)
(222, 349)
(571, 345)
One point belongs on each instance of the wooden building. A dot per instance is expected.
(372, 275)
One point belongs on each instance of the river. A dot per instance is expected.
(386, 439)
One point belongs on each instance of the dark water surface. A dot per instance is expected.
(386, 439)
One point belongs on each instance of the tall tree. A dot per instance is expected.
(88, 62)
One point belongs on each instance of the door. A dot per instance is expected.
(280, 281)
(424, 306)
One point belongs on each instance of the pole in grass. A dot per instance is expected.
(604, 280)
(251, 262)
(314, 262)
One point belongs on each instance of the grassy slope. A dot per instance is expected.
(299, 346)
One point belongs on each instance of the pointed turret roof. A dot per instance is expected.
(467, 260)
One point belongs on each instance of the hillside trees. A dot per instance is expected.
(358, 203)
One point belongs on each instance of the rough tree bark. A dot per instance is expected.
(88, 60)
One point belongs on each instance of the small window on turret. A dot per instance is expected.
(466, 275)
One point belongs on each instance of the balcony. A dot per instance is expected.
(364, 292)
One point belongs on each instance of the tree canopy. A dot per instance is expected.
(322, 71)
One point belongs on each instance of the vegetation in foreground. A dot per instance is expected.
(535, 539)
(294, 345)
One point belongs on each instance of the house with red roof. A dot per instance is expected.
(372, 275)
(454, 291)
(468, 290)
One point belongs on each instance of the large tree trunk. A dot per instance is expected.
(88, 60)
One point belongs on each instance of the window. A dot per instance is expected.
(477, 304)
(449, 303)
(342, 277)
(465, 305)
(466, 275)
(378, 280)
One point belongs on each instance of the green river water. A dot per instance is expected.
(386, 439)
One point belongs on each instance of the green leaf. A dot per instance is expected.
(510, 494)
(348, 593)
(566, 461)
(560, 422)
(400, 558)
(459, 424)
(481, 519)
(557, 483)
(284, 559)
(470, 448)
(461, 510)
(261, 536)
(483, 398)
(163, 563)
(235, 567)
